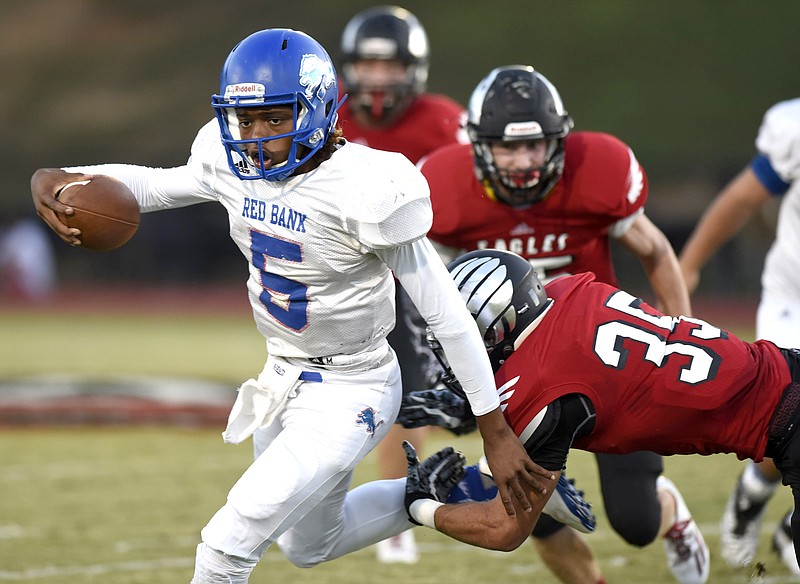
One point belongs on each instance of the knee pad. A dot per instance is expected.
(635, 533)
(628, 485)
(298, 555)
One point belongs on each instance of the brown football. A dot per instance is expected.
(106, 212)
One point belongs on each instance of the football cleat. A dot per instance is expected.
(740, 527)
(566, 505)
(687, 552)
(477, 485)
(783, 546)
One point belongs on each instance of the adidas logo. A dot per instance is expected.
(242, 166)
(521, 229)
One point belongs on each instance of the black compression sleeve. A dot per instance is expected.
(568, 418)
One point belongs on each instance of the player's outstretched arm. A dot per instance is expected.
(416, 265)
(660, 264)
(45, 185)
(516, 475)
(728, 213)
(485, 524)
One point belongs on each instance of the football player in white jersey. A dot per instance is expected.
(323, 225)
(774, 172)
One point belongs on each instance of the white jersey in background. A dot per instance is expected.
(778, 169)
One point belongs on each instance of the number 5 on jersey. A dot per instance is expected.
(286, 300)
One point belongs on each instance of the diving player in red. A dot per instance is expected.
(645, 381)
(385, 57)
(530, 185)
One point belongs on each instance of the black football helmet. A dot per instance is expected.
(503, 294)
(511, 104)
(389, 33)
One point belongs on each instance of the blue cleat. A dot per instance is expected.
(566, 505)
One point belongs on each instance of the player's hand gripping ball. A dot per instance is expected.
(106, 212)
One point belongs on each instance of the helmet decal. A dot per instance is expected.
(244, 90)
(522, 129)
(504, 295)
(316, 75)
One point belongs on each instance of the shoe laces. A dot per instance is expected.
(681, 538)
(572, 484)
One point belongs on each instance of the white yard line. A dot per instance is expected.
(65, 571)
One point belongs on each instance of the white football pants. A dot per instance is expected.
(778, 320)
(296, 489)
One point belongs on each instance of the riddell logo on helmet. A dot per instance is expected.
(244, 90)
(517, 129)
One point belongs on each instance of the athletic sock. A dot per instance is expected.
(756, 486)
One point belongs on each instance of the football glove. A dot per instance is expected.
(437, 407)
(433, 478)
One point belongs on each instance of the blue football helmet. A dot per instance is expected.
(276, 67)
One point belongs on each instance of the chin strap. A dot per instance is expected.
(489, 191)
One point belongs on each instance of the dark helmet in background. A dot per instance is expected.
(385, 33)
(511, 104)
(503, 294)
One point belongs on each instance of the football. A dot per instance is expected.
(106, 212)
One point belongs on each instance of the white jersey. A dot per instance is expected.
(321, 248)
(779, 140)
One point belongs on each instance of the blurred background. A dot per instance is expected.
(685, 83)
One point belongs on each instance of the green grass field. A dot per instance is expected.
(84, 505)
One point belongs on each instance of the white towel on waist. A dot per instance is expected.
(259, 401)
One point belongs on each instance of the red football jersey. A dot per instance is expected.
(658, 383)
(567, 233)
(431, 121)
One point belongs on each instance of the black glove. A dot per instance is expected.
(437, 407)
(434, 478)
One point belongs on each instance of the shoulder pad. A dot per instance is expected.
(207, 136)
(779, 138)
(609, 170)
(395, 206)
(205, 148)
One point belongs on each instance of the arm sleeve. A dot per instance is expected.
(166, 188)
(429, 285)
(771, 180)
(621, 227)
(446, 253)
(155, 188)
(562, 422)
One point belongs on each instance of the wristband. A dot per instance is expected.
(423, 510)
